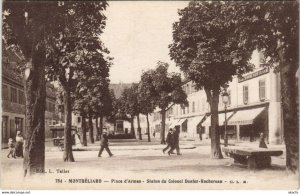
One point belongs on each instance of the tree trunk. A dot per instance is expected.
(148, 128)
(83, 128)
(132, 127)
(215, 134)
(290, 116)
(101, 126)
(35, 91)
(139, 127)
(97, 130)
(163, 127)
(68, 154)
(91, 130)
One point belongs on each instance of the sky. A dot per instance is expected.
(137, 34)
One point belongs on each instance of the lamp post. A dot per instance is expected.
(225, 98)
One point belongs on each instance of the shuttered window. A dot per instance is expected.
(245, 94)
(262, 90)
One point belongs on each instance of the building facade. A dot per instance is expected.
(254, 106)
(13, 99)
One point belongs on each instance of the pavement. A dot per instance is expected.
(141, 160)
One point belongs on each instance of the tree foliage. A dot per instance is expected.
(273, 27)
(64, 36)
(24, 29)
(205, 47)
(163, 90)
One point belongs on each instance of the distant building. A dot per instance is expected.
(119, 88)
(13, 98)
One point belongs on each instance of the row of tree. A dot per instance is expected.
(157, 88)
(60, 41)
(214, 40)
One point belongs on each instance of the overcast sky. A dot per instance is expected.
(138, 34)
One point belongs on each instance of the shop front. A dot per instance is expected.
(249, 123)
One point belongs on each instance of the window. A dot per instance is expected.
(21, 97)
(5, 92)
(183, 110)
(193, 106)
(13, 95)
(229, 97)
(4, 128)
(19, 124)
(245, 94)
(262, 90)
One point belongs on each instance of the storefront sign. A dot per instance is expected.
(253, 75)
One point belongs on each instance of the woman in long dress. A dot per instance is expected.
(19, 144)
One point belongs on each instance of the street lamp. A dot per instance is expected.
(225, 98)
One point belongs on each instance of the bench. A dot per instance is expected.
(252, 157)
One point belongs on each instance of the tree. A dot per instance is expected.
(81, 107)
(28, 35)
(75, 53)
(102, 104)
(206, 49)
(129, 100)
(165, 91)
(273, 27)
(146, 101)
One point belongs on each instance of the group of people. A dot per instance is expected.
(16, 149)
(172, 142)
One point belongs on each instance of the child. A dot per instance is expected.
(11, 148)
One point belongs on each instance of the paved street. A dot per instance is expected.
(139, 161)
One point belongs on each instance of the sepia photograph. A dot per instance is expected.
(149, 95)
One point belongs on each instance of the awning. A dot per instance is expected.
(245, 117)
(194, 121)
(221, 119)
(179, 123)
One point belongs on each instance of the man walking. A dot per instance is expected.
(176, 142)
(104, 144)
(169, 140)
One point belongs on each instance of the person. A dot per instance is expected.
(262, 143)
(169, 141)
(11, 148)
(104, 144)
(77, 139)
(176, 142)
(200, 133)
(19, 144)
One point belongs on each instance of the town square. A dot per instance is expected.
(150, 95)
